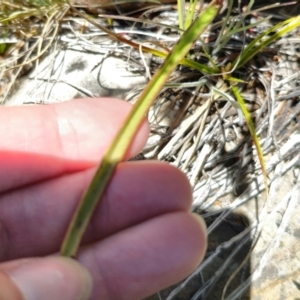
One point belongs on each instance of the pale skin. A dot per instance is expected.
(142, 237)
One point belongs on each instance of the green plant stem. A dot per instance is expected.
(181, 13)
(119, 147)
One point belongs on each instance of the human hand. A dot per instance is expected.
(142, 236)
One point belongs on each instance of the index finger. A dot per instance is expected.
(46, 141)
(80, 129)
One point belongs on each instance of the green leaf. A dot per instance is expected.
(253, 134)
(190, 13)
(119, 147)
(266, 38)
(2, 48)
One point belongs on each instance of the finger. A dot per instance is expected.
(33, 221)
(79, 129)
(47, 141)
(8, 288)
(146, 258)
(45, 278)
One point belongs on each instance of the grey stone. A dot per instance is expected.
(73, 73)
(116, 75)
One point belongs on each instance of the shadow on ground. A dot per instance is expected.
(228, 245)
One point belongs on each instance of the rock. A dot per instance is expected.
(70, 73)
(116, 74)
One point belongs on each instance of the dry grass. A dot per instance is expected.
(28, 29)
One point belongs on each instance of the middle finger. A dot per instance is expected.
(34, 219)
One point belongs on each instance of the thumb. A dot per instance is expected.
(44, 278)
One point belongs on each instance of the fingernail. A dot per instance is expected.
(52, 278)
